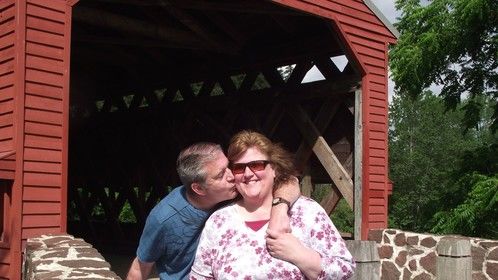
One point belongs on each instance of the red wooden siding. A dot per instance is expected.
(366, 38)
(7, 39)
(45, 83)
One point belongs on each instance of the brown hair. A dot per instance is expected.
(281, 160)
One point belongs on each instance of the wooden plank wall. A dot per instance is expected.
(365, 38)
(44, 99)
(7, 38)
(7, 165)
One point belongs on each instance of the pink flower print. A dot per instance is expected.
(227, 269)
(312, 233)
(319, 235)
(259, 250)
(247, 278)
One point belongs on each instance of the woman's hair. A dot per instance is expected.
(281, 160)
(192, 160)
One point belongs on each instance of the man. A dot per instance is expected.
(171, 233)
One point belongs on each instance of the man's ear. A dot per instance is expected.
(198, 189)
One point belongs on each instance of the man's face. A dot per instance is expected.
(219, 185)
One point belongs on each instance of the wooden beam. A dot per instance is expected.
(324, 153)
(329, 202)
(123, 23)
(256, 7)
(198, 28)
(358, 164)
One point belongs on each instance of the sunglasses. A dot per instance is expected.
(257, 165)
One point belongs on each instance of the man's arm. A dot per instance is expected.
(139, 270)
(279, 220)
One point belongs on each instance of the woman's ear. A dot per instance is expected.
(198, 189)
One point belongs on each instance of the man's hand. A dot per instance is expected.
(279, 221)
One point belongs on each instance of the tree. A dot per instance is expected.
(425, 147)
(451, 43)
(476, 216)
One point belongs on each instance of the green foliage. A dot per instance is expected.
(476, 216)
(343, 215)
(425, 147)
(451, 43)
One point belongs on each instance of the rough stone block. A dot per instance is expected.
(385, 252)
(423, 276)
(493, 255)
(375, 235)
(478, 254)
(401, 258)
(428, 242)
(389, 271)
(428, 262)
(412, 240)
(400, 239)
(492, 270)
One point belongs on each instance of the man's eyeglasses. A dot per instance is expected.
(256, 165)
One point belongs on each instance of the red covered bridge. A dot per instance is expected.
(97, 97)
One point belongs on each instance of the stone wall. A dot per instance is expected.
(409, 255)
(63, 257)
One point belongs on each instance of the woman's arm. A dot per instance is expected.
(320, 253)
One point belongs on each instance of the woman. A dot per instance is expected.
(233, 243)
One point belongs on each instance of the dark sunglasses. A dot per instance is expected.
(257, 165)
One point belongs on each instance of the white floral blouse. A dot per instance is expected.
(228, 249)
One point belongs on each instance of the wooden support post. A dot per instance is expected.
(324, 153)
(358, 164)
(367, 259)
(306, 184)
(454, 261)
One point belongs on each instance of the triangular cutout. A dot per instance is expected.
(127, 100)
(126, 215)
(340, 62)
(286, 71)
(178, 97)
(217, 90)
(313, 75)
(196, 87)
(260, 83)
(237, 80)
(144, 102)
(160, 93)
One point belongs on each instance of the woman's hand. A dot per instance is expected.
(287, 247)
(282, 245)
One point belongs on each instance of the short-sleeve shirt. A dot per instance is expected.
(171, 235)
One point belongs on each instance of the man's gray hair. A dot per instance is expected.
(192, 160)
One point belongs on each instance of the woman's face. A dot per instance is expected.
(254, 181)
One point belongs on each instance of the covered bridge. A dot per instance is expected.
(97, 97)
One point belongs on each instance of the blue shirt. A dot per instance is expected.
(171, 235)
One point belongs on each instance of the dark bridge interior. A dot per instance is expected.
(149, 77)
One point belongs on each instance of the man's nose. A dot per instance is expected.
(230, 177)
